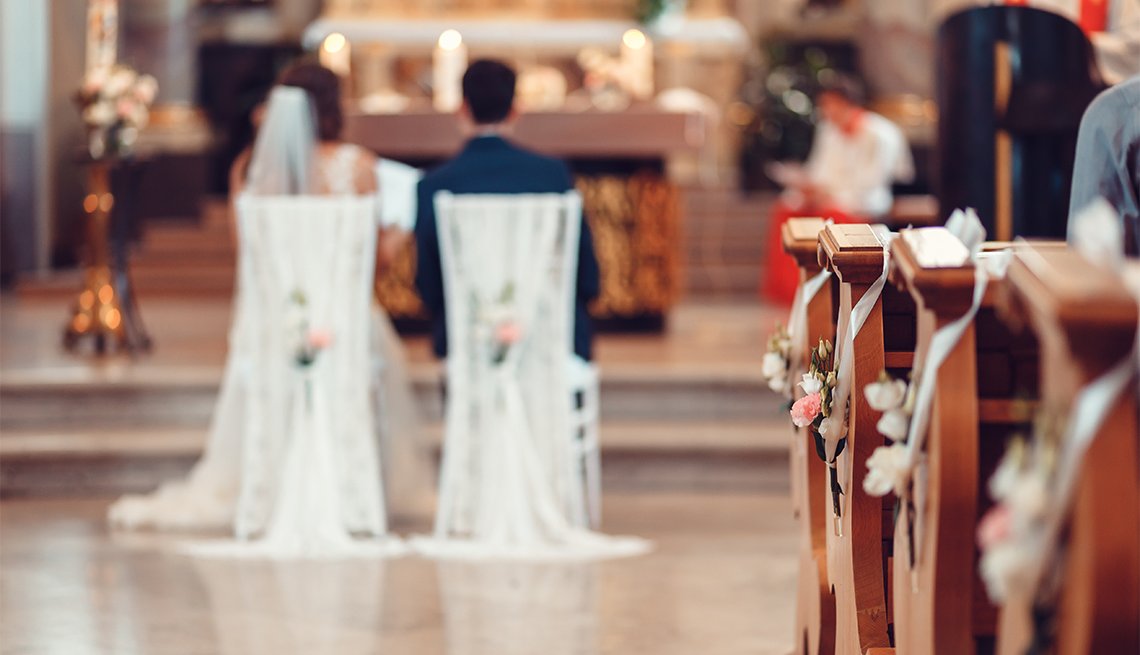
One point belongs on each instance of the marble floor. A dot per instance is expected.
(721, 582)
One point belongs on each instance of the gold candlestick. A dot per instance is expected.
(98, 311)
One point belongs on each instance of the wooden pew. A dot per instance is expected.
(982, 398)
(859, 551)
(815, 604)
(1085, 321)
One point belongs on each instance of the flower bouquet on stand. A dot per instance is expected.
(814, 411)
(115, 104)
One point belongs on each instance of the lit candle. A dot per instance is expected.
(102, 33)
(637, 63)
(336, 54)
(449, 62)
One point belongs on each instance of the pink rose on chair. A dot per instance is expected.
(995, 527)
(317, 339)
(806, 409)
(508, 333)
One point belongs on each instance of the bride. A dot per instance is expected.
(298, 151)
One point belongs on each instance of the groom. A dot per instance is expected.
(489, 163)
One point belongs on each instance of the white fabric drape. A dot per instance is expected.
(310, 474)
(507, 481)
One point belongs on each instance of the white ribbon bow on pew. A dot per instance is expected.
(845, 355)
(967, 227)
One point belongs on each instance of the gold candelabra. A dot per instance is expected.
(101, 312)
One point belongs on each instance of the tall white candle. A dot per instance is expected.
(336, 54)
(637, 63)
(449, 62)
(102, 33)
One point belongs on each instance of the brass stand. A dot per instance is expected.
(104, 310)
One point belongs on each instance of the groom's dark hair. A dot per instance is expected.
(489, 89)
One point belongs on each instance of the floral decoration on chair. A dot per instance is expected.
(308, 342)
(498, 324)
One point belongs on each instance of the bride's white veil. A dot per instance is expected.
(283, 155)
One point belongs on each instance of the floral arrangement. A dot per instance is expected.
(309, 342)
(1010, 534)
(814, 411)
(889, 470)
(115, 105)
(499, 324)
(777, 361)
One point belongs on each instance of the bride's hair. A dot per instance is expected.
(323, 87)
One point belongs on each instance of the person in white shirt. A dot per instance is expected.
(855, 158)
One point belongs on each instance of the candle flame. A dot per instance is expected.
(334, 43)
(450, 40)
(634, 39)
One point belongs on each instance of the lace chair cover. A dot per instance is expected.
(322, 248)
(508, 483)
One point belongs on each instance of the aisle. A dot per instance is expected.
(721, 583)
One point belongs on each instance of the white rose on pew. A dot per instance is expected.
(1006, 569)
(888, 470)
(1009, 471)
(886, 394)
(811, 384)
(774, 368)
(1028, 497)
(894, 425)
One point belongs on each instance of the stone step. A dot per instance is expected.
(716, 456)
(743, 278)
(50, 399)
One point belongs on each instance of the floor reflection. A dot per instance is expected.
(721, 582)
(519, 608)
(294, 607)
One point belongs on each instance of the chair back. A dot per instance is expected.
(307, 263)
(509, 266)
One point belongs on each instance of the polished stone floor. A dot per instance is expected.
(721, 582)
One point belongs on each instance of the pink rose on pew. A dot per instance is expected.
(317, 339)
(995, 527)
(806, 409)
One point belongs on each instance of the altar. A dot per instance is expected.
(618, 159)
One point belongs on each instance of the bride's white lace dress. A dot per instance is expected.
(293, 462)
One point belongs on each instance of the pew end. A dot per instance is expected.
(1086, 322)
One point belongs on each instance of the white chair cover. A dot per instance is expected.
(508, 487)
(310, 476)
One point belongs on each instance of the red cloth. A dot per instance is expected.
(780, 274)
(1094, 15)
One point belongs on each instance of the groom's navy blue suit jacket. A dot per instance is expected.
(491, 164)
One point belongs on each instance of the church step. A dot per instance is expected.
(185, 397)
(635, 456)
